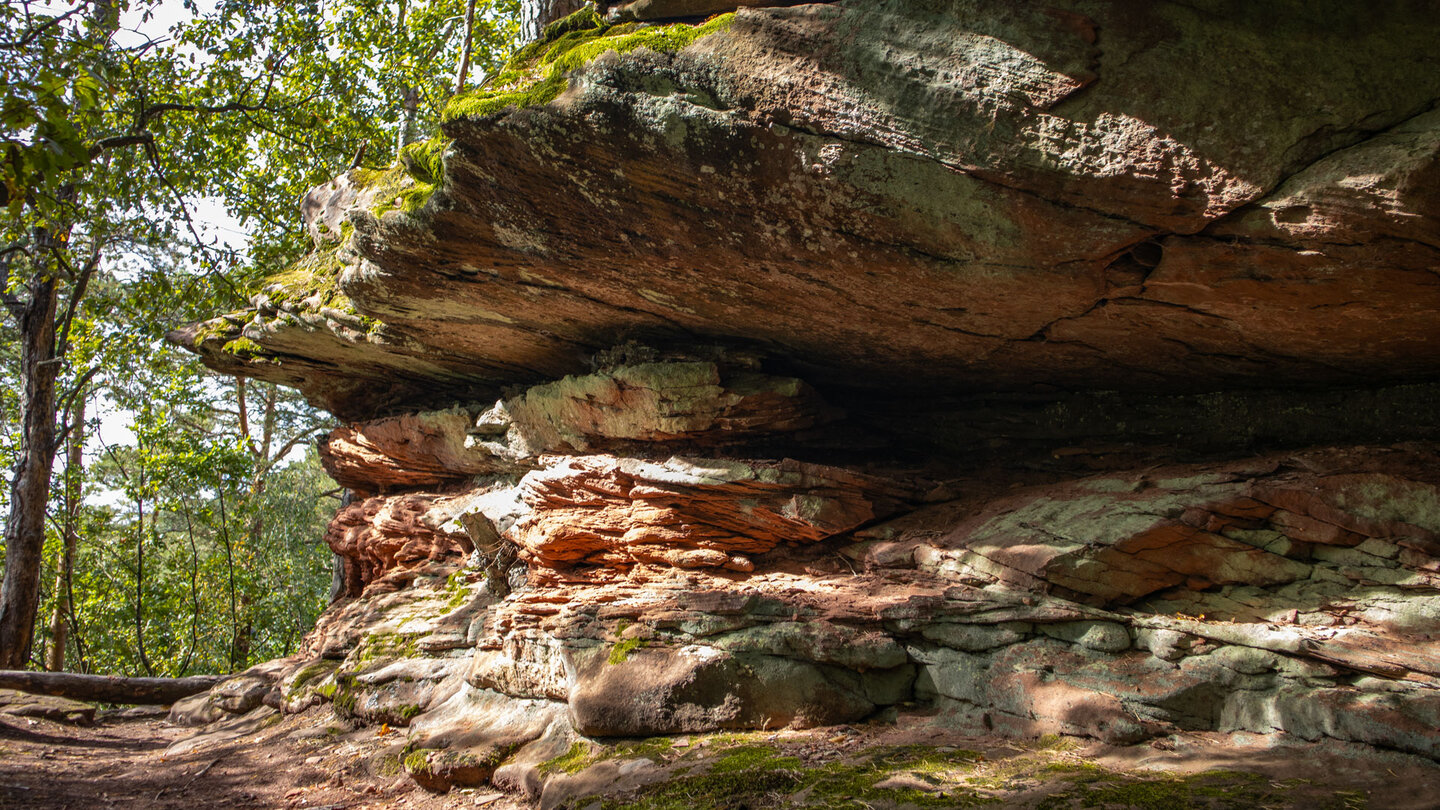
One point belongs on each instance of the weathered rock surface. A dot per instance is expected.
(1293, 593)
(695, 403)
(690, 513)
(655, 402)
(65, 710)
(1119, 320)
(407, 452)
(390, 535)
(961, 193)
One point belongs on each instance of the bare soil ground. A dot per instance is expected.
(122, 764)
(311, 760)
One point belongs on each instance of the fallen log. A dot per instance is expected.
(107, 688)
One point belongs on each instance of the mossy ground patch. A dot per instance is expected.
(766, 770)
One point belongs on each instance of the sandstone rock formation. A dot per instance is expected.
(1053, 368)
(1000, 198)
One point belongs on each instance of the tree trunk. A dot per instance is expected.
(108, 688)
(409, 96)
(140, 579)
(466, 47)
(30, 488)
(64, 566)
(536, 14)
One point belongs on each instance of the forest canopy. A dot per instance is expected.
(184, 536)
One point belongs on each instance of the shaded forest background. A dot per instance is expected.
(194, 542)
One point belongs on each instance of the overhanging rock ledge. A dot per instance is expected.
(1050, 368)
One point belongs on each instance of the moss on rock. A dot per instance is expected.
(242, 347)
(538, 73)
(620, 653)
(576, 759)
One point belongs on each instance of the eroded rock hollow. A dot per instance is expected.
(1060, 367)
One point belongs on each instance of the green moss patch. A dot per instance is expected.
(385, 647)
(398, 190)
(1097, 787)
(754, 770)
(758, 775)
(582, 755)
(575, 760)
(312, 284)
(620, 653)
(312, 281)
(538, 73)
(242, 347)
(425, 160)
(310, 673)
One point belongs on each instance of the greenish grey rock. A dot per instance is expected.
(665, 690)
(660, 401)
(975, 637)
(1246, 660)
(819, 642)
(1101, 636)
(955, 675)
(1169, 645)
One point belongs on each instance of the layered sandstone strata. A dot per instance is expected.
(1037, 369)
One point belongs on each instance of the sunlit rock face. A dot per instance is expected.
(921, 196)
(1292, 593)
(1057, 368)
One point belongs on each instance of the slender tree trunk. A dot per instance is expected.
(230, 574)
(30, 488)
(65, 565)
(466, 47)
(409, 96)
(194, 588)
(42, 351)
(140, 577)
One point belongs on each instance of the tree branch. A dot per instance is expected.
(121, 141)
(35, 31)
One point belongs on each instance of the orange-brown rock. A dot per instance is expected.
(1264, 523)
(689, 513)
(910, 197)
(380, 538)
(703, 403)
(406, 452)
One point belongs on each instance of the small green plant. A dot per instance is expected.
(418, 761)
(620, 653)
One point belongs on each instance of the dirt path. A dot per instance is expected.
(311, 760)
(123, 764)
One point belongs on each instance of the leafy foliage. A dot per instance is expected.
(199, 533)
